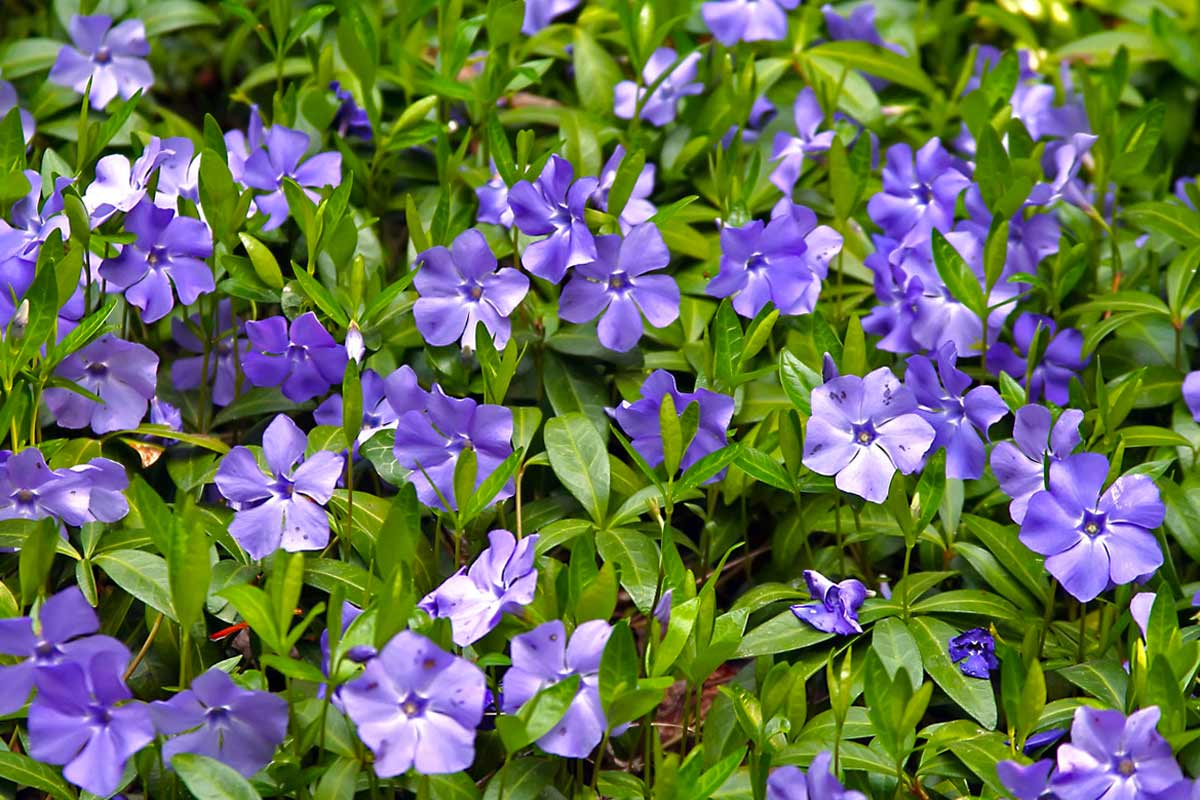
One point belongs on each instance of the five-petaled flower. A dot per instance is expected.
(113, 59)
(553, 206)
(659, 107)
(302, 359)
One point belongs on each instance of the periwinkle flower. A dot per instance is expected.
(862, 430)
(461, 287)
(640, 419)
(835, 605)
(790, 150)
(1140, 606)
(960, 418)
(29, 489)
(1062, 162)
(857, 26)
(618, 285)
(1091, 536)
(9, 101)
(121, 373)
(553, 207)
(782, 261)
(1191, 393)
(169, 251)
(67, 629)
(540, 13)
(377, 412)
(1019, 465)
(164, 413)
(919, 192)
(416, 706)
(733, 21)
(280, 157)
(1062, 360)
(217, 718)
(975, 653)
(240, 145)
(113, 59)
(105, 481)
(544, 657)
(792, 783)
(85, 719)
(302, 359)
(762, 111)
(637, 208)
(32, 223)
(285, 506)
(501, 581)
(225, 346)
(493, 203)
(121, 184)
(659, 108)
(358, 653)
(1112, 756)
(431, 441)
(1025, 781)
(351, 118)
(178, 174)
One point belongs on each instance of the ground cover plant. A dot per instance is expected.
(599, 398)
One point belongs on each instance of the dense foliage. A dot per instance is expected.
(599, 398)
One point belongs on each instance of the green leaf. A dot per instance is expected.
(762, 467)
(897, 650)
(972, 695)
(571, 391)
(144, 575)
(166, 16)
(798, 381)
(26, 56)
(628, 173)
(25, 772)
(878, 61)
(636, 557)
(780, 634)
(1104, 679)
(596, 73)
(538, 716)
(210, 779)
(188, 569)
(726, 343)
(254, 606)
(263, 261)
(960, 279)
(580, 460)
(1174, 221)
(339, 781)
(969, 601)
(1002, 541)
(618, 665)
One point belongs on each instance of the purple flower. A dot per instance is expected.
(1090, 538)
(1062, 161)
(1140, 606)
(66, 631)
(121, 185)
(416, 706)
(282, 507)
(218, 719)
(106, 482)
(1191, 393)
(637, 209)
(919, 193)
(178, 174)
(553, 207)
(501, 581)
(1110, 755)
(31, 490)
(789, 150)
(835, 606)
(618, 285)
(659, 108)
(791, 783)
(857, 26)
(32, 223)
(1025, 781)
(9, 101)
(164, 413)
(461, 287)
(303, 359)
(493, 203)
(975, 653)
(121, 373)
(114, 59)
(357, 654)
(84, 718)
(187, 373)
(761, 113)
(959, 417)
(733, 21)
(542, 658)
(169, 250)
(1019, 465)
(240, 146)
(863, 430)
(781, 261)
(1062, 360)
(540, 13)
(640, 419)
(350, 119)
(279, 158)
(430, 441)
(378, 413)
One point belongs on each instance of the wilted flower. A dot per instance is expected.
(959, 417)
(919, 193)
(302, 359)
(416, 706)
(791, 783)
(1019, 466)
(618, 285)
(1092, 538)
(351, 119)
(84, 718)
(279, 158)
(659, 108)
(283, 507)
(975, 653)
(733, 21)
(640, 419)
(218, 719)
(553, 207)
(113, 59)
(501, 581)
(1110, 755)
(862, 430)
(188, 373)
(540, 13)
(460, 287)
(542, 658)
(835, 606)
(789, 150)
(169, 251)
(637, 208)
(1062, 360)
(121, 373)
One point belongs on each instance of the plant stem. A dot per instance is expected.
(145, 647)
